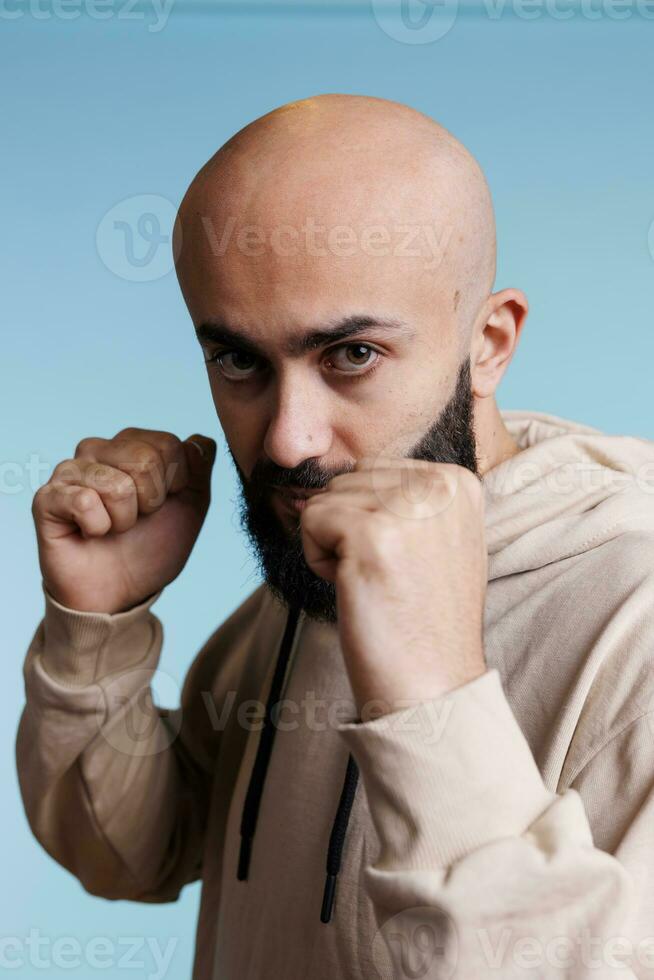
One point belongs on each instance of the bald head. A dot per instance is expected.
(337, 257)
(340, 190)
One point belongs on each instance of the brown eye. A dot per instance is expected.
(236, 365)
(349, 357)
(242, 361)
(357, 353)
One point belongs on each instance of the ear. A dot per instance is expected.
(496, 338)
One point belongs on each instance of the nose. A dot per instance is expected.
(299, 427)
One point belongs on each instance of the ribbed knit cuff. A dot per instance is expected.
(446, 776)
(79, 648)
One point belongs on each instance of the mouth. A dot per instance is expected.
(294, 498)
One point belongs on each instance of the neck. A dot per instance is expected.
(494, 442)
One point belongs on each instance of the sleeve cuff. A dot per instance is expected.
(78, 648)
(446, 776)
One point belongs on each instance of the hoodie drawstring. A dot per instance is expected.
(260, 767)
(258, 778)
(337, 837)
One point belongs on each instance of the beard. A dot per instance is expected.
(278, 550)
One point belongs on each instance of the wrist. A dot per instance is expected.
(376, 694)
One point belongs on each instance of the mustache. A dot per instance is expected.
(309, 475)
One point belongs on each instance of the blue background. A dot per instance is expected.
(559, 114)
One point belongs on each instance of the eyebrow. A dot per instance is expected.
(217, 332)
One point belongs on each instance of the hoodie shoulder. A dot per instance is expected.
(612, 592)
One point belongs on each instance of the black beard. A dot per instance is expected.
(279, 552)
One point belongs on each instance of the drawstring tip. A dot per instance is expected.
(328, 898)
(244, 858)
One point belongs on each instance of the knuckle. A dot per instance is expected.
(380, 530)
(119, 491)
(96, 473)
(38, 500)
(433, 475)
(122, 489)
(85, 445)
(470, 483)
(66, 469)
(111, 482)
(144, 459)
(309, 512)
(171, 440)
(84, 499)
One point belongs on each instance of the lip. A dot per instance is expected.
(293, 492)
(295, 500)
(296, 504)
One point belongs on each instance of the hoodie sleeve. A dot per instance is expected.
(111, 784)
(482, 871)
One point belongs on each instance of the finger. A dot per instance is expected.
(324, 536)
(200, 456)
(59, 509)
(364, 496)
(365, 478)
(140, 460)
(171, 450)
(382, 478)
(415, 477)
(115, 488)
(403, 491)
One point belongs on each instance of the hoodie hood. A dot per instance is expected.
(569, 489)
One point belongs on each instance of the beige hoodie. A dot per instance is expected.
(503, 830)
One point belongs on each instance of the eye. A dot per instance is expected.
(234, 364)
(353, 358)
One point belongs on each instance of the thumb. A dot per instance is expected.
(200, 456)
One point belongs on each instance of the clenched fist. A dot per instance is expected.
(118, 521)
(403, 541)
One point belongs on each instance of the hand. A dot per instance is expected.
(117, 523)
(403, 542)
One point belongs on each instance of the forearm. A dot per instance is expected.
(476, 850)
(108, 788)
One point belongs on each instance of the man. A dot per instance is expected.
(453, 772)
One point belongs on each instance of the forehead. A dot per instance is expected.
(315, 269)
(304, 241)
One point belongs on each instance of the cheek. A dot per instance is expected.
(243, 426)
(398, 420)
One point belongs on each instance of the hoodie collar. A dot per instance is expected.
(570, 488)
